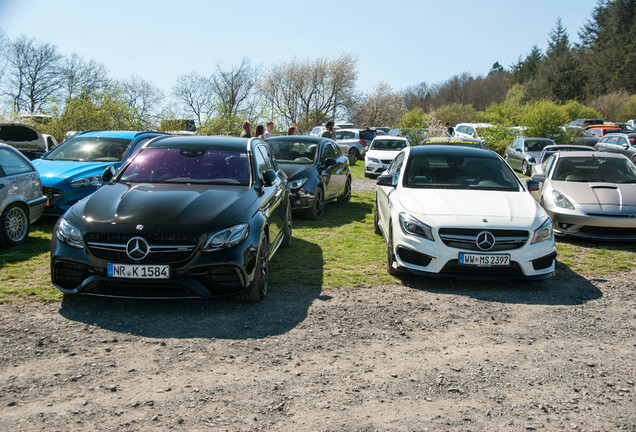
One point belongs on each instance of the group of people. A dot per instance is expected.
(263, 132)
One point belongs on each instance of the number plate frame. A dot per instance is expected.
(484, 260)
(138, 271)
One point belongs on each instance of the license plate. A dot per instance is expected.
(128, 271)
(484, 260)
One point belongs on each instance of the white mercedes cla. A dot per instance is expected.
(459, 211)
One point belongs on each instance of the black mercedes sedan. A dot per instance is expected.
(184, 217)
(317, 172)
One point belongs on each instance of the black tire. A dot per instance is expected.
(390, 257)
(258, 288)
(525, 169)
(318, 207)
(376, 219)
(346, 194)
(354, 153)
(367, 175)
(14, 225)
(287, 227)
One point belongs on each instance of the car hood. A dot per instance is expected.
(383, 154)
(52, 172)
(296, 171)
(451, 207)
(193, 208)
(607, 197)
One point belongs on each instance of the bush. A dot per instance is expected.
(628, 110)
(611, 104)
(574, 110)
(497, 138)
(545, 119)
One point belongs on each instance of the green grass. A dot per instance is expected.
(341, 250)
(357, 170)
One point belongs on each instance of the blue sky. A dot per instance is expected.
(401, 43)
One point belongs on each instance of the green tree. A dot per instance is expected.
(545, 119)
(414, 124)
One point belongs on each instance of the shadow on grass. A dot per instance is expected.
(566, 288)
(284, 308)
(38, 242)
(336, 215)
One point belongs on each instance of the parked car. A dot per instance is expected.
(625, 127)
(582, 123)
(552, 149)
(522, 153)
(186, 216)
(454, 141)
(73, 170)
(381, 152)
(469, 130)
(623, 143)
(460, 211)
(316, 131)
(598, 131)
(384, 129)
(317, 172)
(29, 141)
(21, 198)
(354, 142)
(589, 195)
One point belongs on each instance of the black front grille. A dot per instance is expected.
(413, 257)
(465, 238)
(387, 161)
(69, 275)
(454, 268)
(52, 193)
(544, 262)
(224, 279)
(164, 248)
(608, 231)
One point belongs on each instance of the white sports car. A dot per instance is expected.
(459, 211)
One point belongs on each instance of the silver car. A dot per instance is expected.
(589, 194)
(522, 153)
(354, 142)
(21, 198)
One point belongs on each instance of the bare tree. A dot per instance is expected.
(195, 95)
(380, 107)
(308, 92)
(81, 78)
(33, 70)
(144, 99)
(234, 89)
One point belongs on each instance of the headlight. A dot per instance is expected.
(68, 234)
(561, 201)
(226, 238)
(297, 184)
(92, 181)
(374, 160)
(543, 233)
(412, 226)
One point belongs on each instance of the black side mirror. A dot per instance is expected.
(385, 180)
(532, 185)
(269, 177)
(109, 174)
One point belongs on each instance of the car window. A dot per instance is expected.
(268, 156)
(595, 169)
(345, 135)
(330, 152)
(621, 140)
(396, 166)
(387, 145)
(12, 163)
(294, 152)
(90, 149)
(367, 135)
(548, 165)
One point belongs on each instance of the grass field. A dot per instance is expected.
(341, 250)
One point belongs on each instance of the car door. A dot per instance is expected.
(273, 206)
(515, 155)
(331, 173)
(383, 193)
(17, 178)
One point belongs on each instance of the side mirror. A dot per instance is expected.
(533, 185)
(109, 174)
(386, 180)
(626, 146)
(536, 178)
(329, 162)
(269, 177)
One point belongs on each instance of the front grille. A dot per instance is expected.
(465, 238)
(387, 161)
(455, 269)
(52, 193)
(69, 275)
(163, 248)
(224, 279)
(608, 231)
(413, 257)
(544, 262)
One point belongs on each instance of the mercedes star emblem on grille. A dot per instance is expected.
(485, 240)
(137, 248)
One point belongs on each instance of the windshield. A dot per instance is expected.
(537, 145)
(293, 152)
(457, 172)
(188, 165)
(595, 169)
(387, 145)
(90, 149)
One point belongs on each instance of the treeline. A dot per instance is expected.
(596, 77)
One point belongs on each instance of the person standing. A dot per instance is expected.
(260, 131)
(270, 129)
(247, 130)
(328, 132)
(449, 129)
(293, 130)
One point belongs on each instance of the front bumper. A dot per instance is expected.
(374, 168)
(593, 227)
(59, 200)
(301, 199)
(434, 258)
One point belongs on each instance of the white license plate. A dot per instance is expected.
(484, 260)
(138, 271)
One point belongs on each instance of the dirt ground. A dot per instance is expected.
(430, 354)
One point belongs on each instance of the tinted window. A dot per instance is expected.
(536, 145)
(330, 152)
(296, 152)
(458, 172)
(269, 158)
(188, 165)
(367, 135)
(12, 163)
(91, 149)
(388, 145)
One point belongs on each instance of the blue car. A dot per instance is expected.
(73, 170)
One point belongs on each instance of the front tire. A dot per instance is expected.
(390, 256)
(14, 225)
(346, 194)
(318, 206)
(258, 288)
(525, 169)
(287, 227)
(376, 219)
